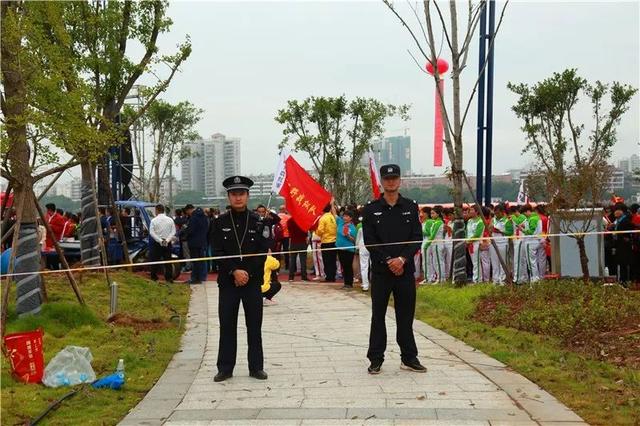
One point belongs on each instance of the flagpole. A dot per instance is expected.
(269, 202)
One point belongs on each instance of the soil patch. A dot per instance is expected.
(139, 324)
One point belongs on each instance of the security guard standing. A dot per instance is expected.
(385, 221)
(240, 233)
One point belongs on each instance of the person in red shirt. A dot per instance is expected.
(284, 219)
(56, 222)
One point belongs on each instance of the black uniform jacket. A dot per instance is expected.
(382, 223)
(256, 240)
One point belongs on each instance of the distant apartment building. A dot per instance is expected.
(631, 164)
(393, 150)
(209, 162)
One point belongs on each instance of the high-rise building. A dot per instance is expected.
(209, 162)
(394, 150)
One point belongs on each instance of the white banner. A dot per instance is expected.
(281, 173)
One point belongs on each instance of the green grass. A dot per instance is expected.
(146, 352)
(600, 392)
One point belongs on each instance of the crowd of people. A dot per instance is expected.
(336, 243)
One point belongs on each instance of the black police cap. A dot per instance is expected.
(234, 183)
(389, 170)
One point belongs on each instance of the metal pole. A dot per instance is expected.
(489, 147)
(481, 91)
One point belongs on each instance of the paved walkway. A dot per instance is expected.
(315, 343)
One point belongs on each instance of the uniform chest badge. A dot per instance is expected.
(406, 213)
(252, 231)
(377, 213)
(226, 229)
(265, 232)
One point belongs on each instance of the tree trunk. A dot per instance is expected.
(584, 259)
(27, 258)
(89, 241)
(459, 255)
(27, 245)
(104, 186)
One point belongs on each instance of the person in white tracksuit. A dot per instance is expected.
(364, 257)
(475, 229)
(436, 241)
(502, 228)
(533, 231)
(520, 273)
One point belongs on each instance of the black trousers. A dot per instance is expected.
(156, 254)
(273, 290)
(346, 261)
(329, 260)
(404, 299)
(302, 249)
(228, 305)
(285, 247)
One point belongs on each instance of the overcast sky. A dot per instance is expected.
(249, 58)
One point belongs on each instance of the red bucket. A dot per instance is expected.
(25, 352)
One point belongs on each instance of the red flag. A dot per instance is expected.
(304, 197)
(373, 172)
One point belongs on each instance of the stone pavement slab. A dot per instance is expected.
(315, 343)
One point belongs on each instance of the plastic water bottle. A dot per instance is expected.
(120, 368)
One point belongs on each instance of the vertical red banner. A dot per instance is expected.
(438, 130)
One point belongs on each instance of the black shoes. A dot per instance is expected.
(347, 287)
(413, 366)
(374, 368)
(222, 376)
(260, 375)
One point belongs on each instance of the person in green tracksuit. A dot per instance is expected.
(436, 244)
(533, 231)
(520, 273)
(501, 230)
(427, 222)
(475, 229)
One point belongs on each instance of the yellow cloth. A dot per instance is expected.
(327, 228)
(271, 264)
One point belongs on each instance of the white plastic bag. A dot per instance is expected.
(71, 366)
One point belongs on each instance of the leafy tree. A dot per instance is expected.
(336, 133)
(573, 164)
(102, 34)
(171, 126)
(44, 106)
(508, 191)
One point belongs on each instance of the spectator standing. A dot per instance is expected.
(298, 245)
(197, 240)
(284, 222)
(183, 222)
(622, 243)
(345, 243)
(56, 222)
(327, 231)
(364, 256)
(162, 231)
(475, 229)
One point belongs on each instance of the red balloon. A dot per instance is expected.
(443, 66)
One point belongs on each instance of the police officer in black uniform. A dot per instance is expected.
(387, 220)
(241, 233)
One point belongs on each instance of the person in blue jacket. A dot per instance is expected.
(197, 231)
(345, 243)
